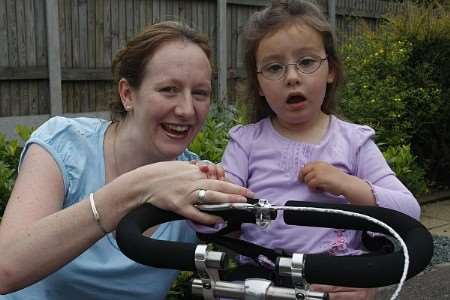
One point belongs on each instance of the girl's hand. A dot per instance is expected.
(345, 293)
(323, 177)
(213, 171)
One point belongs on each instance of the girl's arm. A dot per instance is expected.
(373, 184)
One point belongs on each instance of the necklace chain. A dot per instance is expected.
(114, 146)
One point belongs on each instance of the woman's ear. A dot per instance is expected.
(126, 94)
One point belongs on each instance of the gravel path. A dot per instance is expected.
(441, 250)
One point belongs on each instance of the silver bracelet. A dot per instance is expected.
(95, 213)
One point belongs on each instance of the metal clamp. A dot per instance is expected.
(263, 210)
(256, 289)
(209, 276)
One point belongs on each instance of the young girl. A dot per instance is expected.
(295, 148)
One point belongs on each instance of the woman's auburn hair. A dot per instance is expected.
(129, 62)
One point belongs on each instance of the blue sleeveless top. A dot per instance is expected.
(102, 271)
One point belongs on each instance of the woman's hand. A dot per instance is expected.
(174, 186)
(345, 293)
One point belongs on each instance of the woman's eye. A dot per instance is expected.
(169, 89)
(202, 93)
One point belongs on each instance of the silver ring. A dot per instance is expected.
(201, 196)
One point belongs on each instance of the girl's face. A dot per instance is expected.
(296, 98)
(172, 102)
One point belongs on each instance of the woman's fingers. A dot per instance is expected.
(198, 216)
(222, 191)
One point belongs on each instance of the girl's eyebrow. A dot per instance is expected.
(300, 51)
(271, 58)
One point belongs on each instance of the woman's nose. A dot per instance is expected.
(185, 106)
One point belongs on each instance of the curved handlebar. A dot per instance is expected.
(370, 270)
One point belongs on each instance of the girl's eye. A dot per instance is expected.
(306, 61)
(274, 68)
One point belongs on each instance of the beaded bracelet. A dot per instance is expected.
(95, 213)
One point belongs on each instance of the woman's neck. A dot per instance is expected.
(308, 132)
(122, 153)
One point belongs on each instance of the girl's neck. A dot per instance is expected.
(308, 132)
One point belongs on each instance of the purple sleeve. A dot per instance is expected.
(198, 227)
(388, 190)
(235, 163)
(235, 159)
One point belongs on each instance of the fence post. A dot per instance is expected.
(332, 13)
(54, 58)
(222, 51)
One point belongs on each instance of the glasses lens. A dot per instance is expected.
(308, 64)
(273, 70)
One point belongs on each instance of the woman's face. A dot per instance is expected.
(172, 102)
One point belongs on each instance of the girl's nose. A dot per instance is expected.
(292, 76)
(185, 106)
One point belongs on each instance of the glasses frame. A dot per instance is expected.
(296, 64)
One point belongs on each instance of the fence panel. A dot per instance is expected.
(91, 32)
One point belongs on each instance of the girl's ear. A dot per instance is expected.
(126, 94)
(260, 91)
(331, 73)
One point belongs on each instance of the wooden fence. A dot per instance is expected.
(55, 55)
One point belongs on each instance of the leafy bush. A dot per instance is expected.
(9, 158)
(398, 83)
(211, 141)
(403, 162)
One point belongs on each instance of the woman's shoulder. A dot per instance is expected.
(62, 128)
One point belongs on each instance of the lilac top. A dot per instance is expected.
(259, 158)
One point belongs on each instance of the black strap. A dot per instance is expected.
(377, 243)
(256, 252)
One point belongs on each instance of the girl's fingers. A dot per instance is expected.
(220, 172)
(345, 293)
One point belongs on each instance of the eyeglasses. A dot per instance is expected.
(305, 64)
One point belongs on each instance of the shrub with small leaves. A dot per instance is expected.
(398, 83)
(10, 150)
(404, 163)
(211, 141)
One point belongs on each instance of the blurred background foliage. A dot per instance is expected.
(397, 81)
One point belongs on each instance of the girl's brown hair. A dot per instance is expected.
(129, 63)
(273, 18)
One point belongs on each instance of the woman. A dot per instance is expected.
(79, 177)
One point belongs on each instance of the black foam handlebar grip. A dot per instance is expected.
(160, 253)
(371, 270)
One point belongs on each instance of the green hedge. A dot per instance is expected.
(10, 150)
(398, 83)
